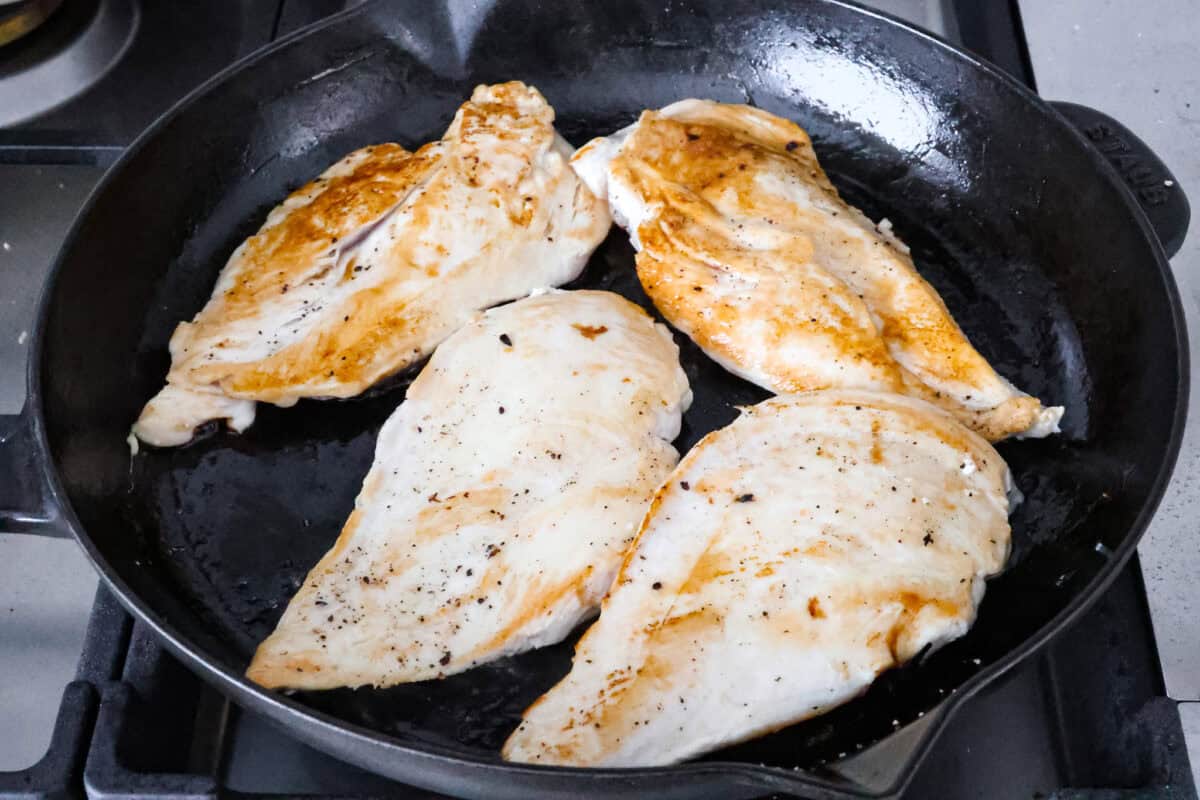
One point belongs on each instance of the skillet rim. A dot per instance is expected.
(282, 708)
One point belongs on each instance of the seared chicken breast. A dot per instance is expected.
(745, 246)
(505, 491)
(363, 271)
(787, 561)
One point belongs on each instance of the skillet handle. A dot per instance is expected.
(25, 501)
(1151, 183)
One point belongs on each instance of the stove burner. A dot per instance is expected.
(69, 51)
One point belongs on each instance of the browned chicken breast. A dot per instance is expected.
(790, 558)
(366, 269)
(745, 246)
(505, 491)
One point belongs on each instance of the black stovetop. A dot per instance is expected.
(1089, 712)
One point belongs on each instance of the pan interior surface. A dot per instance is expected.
(1038, 258)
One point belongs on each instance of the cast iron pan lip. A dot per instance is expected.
(283, 708)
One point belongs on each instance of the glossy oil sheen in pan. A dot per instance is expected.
(1037, 253)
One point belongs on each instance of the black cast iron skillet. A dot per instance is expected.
(1050, 258)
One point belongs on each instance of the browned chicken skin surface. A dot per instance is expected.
(363, 271)
(745, 245)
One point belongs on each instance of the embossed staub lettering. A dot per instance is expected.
(1142, 178)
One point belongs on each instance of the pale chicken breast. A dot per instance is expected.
(363, 271)
(745, 246)
(505, 491)
(789, 559)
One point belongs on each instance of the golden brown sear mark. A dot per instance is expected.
(589, 331)
(814, 608)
